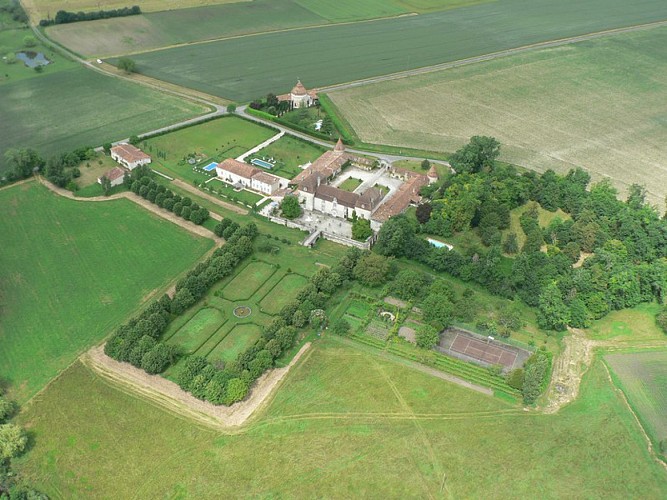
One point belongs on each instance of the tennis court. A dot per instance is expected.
(481, 350)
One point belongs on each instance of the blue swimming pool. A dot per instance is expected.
(210, 166)
(438, 243)
(261, 163)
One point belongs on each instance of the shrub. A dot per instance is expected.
(340, 327)
(427, 336)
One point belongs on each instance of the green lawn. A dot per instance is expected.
(250, 67)
(544, 217)
(350, 184)
(216, 140)
(283, 293)
(248, 281)
(289, 152)
(198, 329)
(345, 423)
(243, 196)
(71, 272)
(235, 342)
(59, 111)
(628, 326)
(643, 378)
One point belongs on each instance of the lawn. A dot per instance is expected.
(58, 111)
(248, 281)
(235, 342)
(243, 196)
(71, 272)
(289, 152)
(198, 329)
(282, 293)
(629, 326)
(358, 309)
(215, 140)
(345, 423)
(249, 67)
(350, 184)
(544, 217)
(643, 378)
(554, 108)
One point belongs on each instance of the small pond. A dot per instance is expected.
(33, 59)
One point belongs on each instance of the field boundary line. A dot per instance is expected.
(558, 42)
(159, 391)
(621, 392)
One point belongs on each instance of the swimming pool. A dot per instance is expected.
(261, 163)
(439, 244)
(210, 166)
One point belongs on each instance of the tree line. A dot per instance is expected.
(65, 17)
(140, 182)
(624, 242)
(138, 341)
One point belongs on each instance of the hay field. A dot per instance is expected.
(600, 104)
(345, 423)
(249, 67)
(643, 378)
(70, 272)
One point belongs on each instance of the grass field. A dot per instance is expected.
(161, 29)
(554, 108)
(235, 342)
(70, 273)
(247, 282)
(216, 140)
(198, 329)
(243, 196)
(283, 293)
(350, 184)
(249, 67)
(345, 423)
(636, 325)
(60, 111)
(290, 152)
(643, 378)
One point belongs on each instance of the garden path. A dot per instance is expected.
(261, 146)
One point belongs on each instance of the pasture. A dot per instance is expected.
(643, 378)
(71, 272)
(63, 110)
(554, 108)
(249, 67)
(344, 423)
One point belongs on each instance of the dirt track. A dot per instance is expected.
(170, 396)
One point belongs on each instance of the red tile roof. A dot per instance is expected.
(114, 173)
(239, 168)
(129, 153)
(406, 194)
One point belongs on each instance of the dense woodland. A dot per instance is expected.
(625, 242)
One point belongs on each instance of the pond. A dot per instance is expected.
(33, 59)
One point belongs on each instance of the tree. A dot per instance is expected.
(426, 165)
(661, 319)
(13, 441)
(22, 162)
(127, 65)
(424, 212)
(426, 336)
(534, 377)
(231, 108)
(373, 269)
(478, 154)
(290, 207)
(511, 244)
(6, 409)
(438, 310)
(29, 41)
(158, 359)
(554, 313)
(397, 238)
(340, 327)
(408, 284)
(361, 229)
(236, 390)
(106, 185)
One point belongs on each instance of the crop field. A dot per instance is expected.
(643, 378)
(60, 258)
(555, 108)
(283, 293)
(344, 423)
(249, 67)
(235, 342)
(60, 111)
(247, 282)
(154, 30)
(41, 9)
(290, 152)
(216, 140)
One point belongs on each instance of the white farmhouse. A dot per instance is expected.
(246, 176)
(129, 156)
